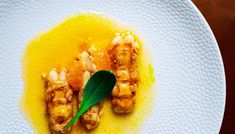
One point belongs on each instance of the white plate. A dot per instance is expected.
(188, 65)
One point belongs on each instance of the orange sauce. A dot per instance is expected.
(57, 48)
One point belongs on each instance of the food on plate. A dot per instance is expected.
(58, 96)
(91, 117)
(71, 54)
(124, 52)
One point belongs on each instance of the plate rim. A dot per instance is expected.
(207, 26)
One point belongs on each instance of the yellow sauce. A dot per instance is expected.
(57, 48)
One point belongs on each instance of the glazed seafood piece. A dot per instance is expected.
(123, 52)
(58, 98)
(91, 118)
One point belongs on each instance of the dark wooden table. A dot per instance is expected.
(220, 14)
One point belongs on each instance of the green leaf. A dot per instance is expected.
(98, 87)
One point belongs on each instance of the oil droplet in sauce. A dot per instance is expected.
(57, 48)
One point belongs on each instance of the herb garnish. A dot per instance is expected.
(98, 87)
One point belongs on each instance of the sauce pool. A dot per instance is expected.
(57, 48)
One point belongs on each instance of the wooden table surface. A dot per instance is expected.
(220, 14)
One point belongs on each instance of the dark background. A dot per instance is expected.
(220, 14)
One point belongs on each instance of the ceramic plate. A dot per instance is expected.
(190, 85)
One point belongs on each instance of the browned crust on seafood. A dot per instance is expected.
(123, 52)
